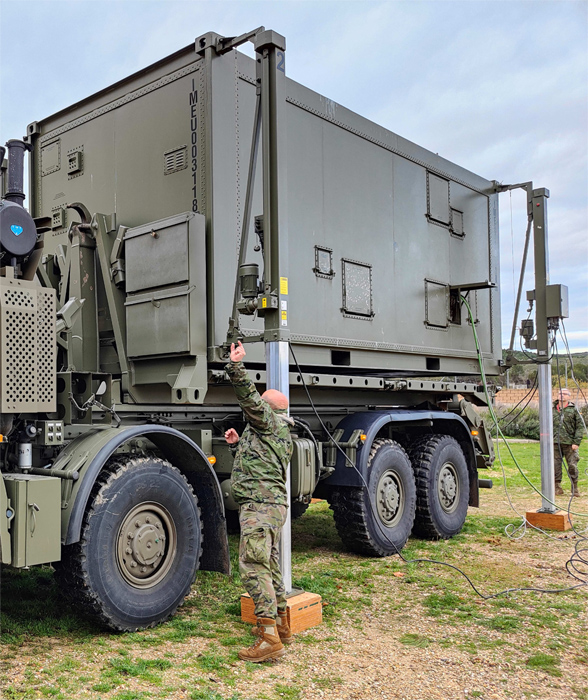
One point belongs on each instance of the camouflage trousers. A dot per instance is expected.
(259, 563)
(572, 458)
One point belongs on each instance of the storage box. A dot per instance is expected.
(304, 610)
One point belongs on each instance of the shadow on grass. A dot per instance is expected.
(316, 530)
(32, 607)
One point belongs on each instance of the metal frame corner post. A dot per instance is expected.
(539, 208)
(271, 76)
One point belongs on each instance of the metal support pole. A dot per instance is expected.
(539, 208)
(276, 357)
(546, 439)
(271, 75)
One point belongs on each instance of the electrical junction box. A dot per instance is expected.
(556, 301)
(35, 530)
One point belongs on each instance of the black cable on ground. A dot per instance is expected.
(580, 555)
(424, 560)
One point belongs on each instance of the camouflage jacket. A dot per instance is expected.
(265, 447)
(567, 425)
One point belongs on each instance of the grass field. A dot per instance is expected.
(390, 630)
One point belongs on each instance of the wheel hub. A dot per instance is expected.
(389, 498)
(146, 545)
(448, 487)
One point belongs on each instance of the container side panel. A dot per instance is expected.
(135, 158)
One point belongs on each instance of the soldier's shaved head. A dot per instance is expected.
(276, 399)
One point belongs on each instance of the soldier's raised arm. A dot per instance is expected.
(258, 413)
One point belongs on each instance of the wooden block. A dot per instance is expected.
(560, 520)
(304, 610)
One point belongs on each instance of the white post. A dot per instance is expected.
(276, 358)
(546, 438)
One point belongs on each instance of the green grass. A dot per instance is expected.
(288, 692)
(545, 662)
(415, 640)
(35, 618)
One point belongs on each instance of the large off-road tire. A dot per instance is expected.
(378, 520)
(140, 545)
(443, 486)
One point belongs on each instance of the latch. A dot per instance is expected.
(34, 510)
(350, 448)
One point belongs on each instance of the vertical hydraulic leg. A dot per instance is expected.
(276, 357)
(271, 73)
(539, 207)
(546, 439)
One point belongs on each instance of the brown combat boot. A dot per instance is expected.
(558, 489)
(575, 491)
(268, 647)
(284, 631)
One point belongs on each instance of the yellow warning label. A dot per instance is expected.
(284, 315)
(263, 303)
(283, 285)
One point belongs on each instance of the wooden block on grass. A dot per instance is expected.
(304, 610)
(560, 520)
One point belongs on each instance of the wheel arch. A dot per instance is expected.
(89, 453)
(377, 424)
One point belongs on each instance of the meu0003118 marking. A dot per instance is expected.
(193, 97)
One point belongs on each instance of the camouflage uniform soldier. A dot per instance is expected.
(568, 430)
(258, 482)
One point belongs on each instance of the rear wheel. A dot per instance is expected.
(378, 520)
(140, 545)
(443, 486)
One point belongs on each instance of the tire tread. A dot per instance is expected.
(72, 573)
(350, 512)
(421, 454)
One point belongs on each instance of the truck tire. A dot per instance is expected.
(443, 486)
(378, 520)
(140, 545)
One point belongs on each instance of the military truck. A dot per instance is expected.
(205, 199)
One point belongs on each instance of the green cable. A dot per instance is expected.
(494, 417)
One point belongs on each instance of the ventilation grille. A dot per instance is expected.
(28, 350)
(46, 348)
(175, 160)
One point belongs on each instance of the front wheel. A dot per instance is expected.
(140, 545)
(377, 520)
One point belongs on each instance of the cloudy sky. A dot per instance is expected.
(500, 87)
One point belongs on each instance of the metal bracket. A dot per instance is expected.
(473, 285)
